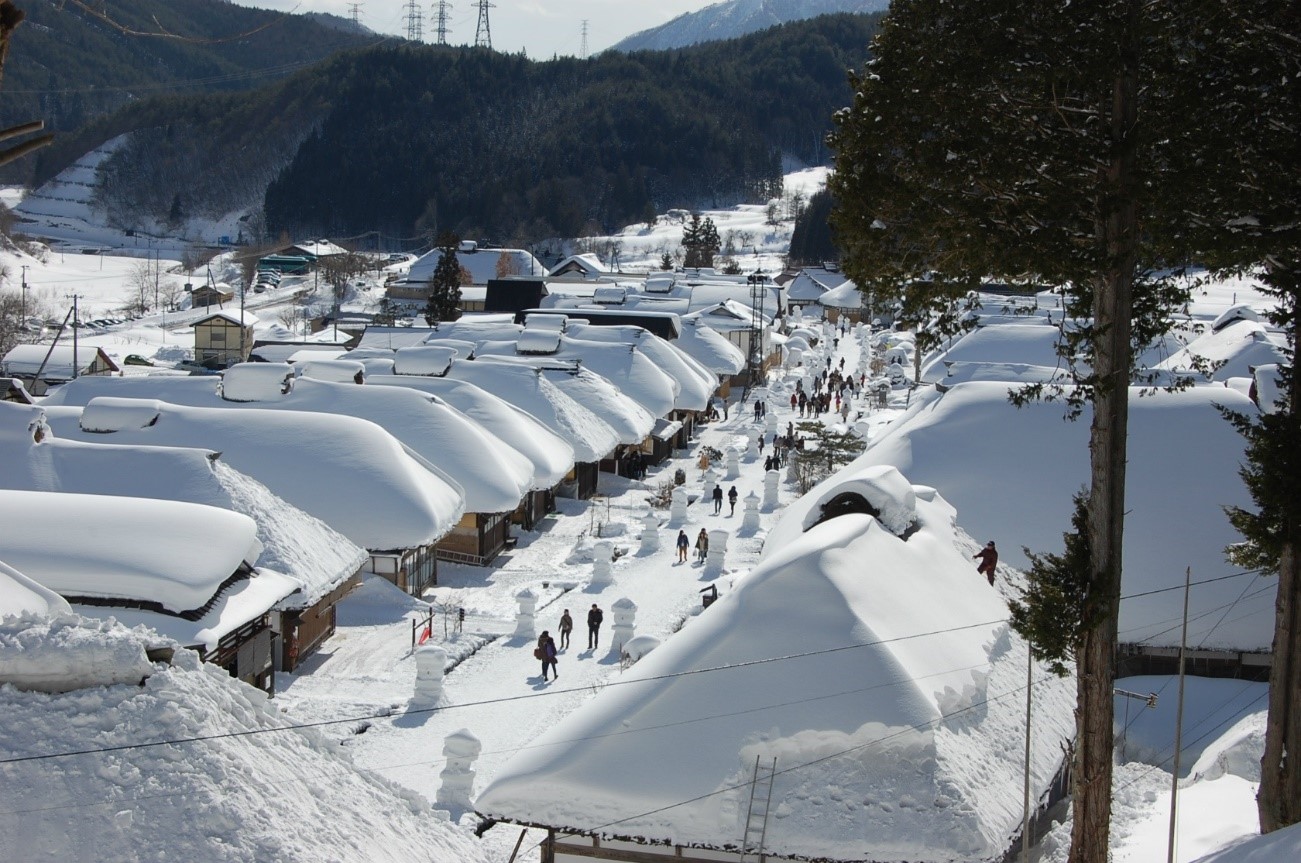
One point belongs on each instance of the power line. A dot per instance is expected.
(512, 698)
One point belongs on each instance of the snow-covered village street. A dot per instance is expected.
(834, 647)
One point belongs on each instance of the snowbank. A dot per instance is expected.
(238, 785)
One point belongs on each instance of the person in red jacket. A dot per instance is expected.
(988, 557)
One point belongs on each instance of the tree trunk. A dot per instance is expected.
(1112, 307)
(1279, 798)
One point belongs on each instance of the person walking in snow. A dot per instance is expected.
(683, 545)
(594, 618)
(756, 410)
(761, 436)
(732, 494)
(795, 400)
(546, 651)
(718, 499)
(702, 545)
(988, 557)
(566, 627)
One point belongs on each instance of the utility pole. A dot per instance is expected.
(482, 33)
(76, 325)
(443, 8)
(24, 295)
(582, 51)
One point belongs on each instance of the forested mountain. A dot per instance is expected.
(735, 18)
(413, 138)
(66, 66)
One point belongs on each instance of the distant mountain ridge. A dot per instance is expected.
(737, 18)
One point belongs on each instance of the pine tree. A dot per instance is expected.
(444, 302)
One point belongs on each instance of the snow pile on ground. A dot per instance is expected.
(1281, 845)
(237, 786)
(69, 652)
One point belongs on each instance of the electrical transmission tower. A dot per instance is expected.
(355, 10)
(482, 33)
(582, 51)
(443, 8)
(415, 20)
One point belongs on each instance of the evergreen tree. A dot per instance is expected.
(701, 241)
(444, 302)
(1036, 139)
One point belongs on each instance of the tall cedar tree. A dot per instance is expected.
(1242, 56)
(445, 284)
(1036, 140)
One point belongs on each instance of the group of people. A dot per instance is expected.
(702, 546)
(546, 649)
(732, 495)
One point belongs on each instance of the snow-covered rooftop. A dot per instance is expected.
(1178, 482)
(551, 456)
(1234, 348)
(630, 421)
(53, 362)
(492, 475)
(908, 745)
(709, 347)
(126, 548)
(847, 296)
(349, 473)
(315, 555)
(695, 382)
(527, 388)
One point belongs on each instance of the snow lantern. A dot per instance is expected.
(771, 479)
(717, 552)
(602, 553)
(733, 463)
(431, 662)
(650, 532)
(524, 618)
(750, 521)
(460, 748)
(624, 611)
(678, 506)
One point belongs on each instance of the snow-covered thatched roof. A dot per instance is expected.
(1183, 470)
(178, 568)
(528, 389)
(630, 421)
(1235, 347)
(481, 264)
(877, 670)
(238, 784)
(492, 475)
(315, 555)
(847, 296)
(551, 456)
(351, 474)
(710, 348)
(695, 382)
(632, 373)
(804, 289)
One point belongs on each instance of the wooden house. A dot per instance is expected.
(223, 338)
